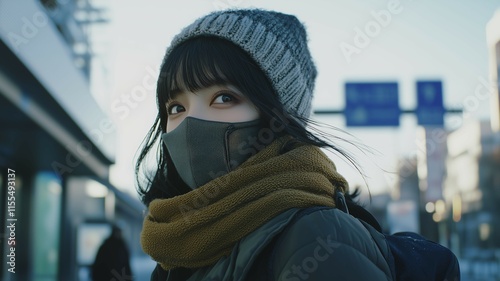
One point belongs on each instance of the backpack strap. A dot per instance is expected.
(340, 202)
(354, 209)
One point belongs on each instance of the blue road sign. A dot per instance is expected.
(372, 104)
(430, 109)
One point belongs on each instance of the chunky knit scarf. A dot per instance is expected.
(197, 228)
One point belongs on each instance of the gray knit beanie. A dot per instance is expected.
(276, 41)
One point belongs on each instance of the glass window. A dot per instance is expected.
(46, 226)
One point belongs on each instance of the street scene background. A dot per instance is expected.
(415, 82)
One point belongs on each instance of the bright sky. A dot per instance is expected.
(422, 40)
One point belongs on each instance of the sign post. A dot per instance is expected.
(372, 104)
(430, 110)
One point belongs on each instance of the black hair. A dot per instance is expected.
(201, 62)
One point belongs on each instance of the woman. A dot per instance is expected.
(241, 190)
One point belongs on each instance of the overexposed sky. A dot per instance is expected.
(442, 39)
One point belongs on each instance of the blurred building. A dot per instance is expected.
(472, 193)
(456, 181)
(56, 146)
(472, 186)
(409, 210)
(493, 41)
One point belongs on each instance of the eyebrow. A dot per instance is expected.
(174, 94)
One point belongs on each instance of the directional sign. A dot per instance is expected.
(430, 109)
(372, 104)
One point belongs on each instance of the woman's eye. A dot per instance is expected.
(223, 98)
(175, 108)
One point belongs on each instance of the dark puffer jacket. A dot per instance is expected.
(325, 244)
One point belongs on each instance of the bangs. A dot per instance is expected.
(195, 64)
(206, 61)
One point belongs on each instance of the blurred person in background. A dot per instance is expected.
(241, 189)
(112, 261)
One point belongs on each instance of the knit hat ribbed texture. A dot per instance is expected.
(276, 41)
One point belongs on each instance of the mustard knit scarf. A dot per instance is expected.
(197, 228)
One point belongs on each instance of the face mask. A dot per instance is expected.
(203, 150)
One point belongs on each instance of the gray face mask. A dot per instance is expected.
(203, 150)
